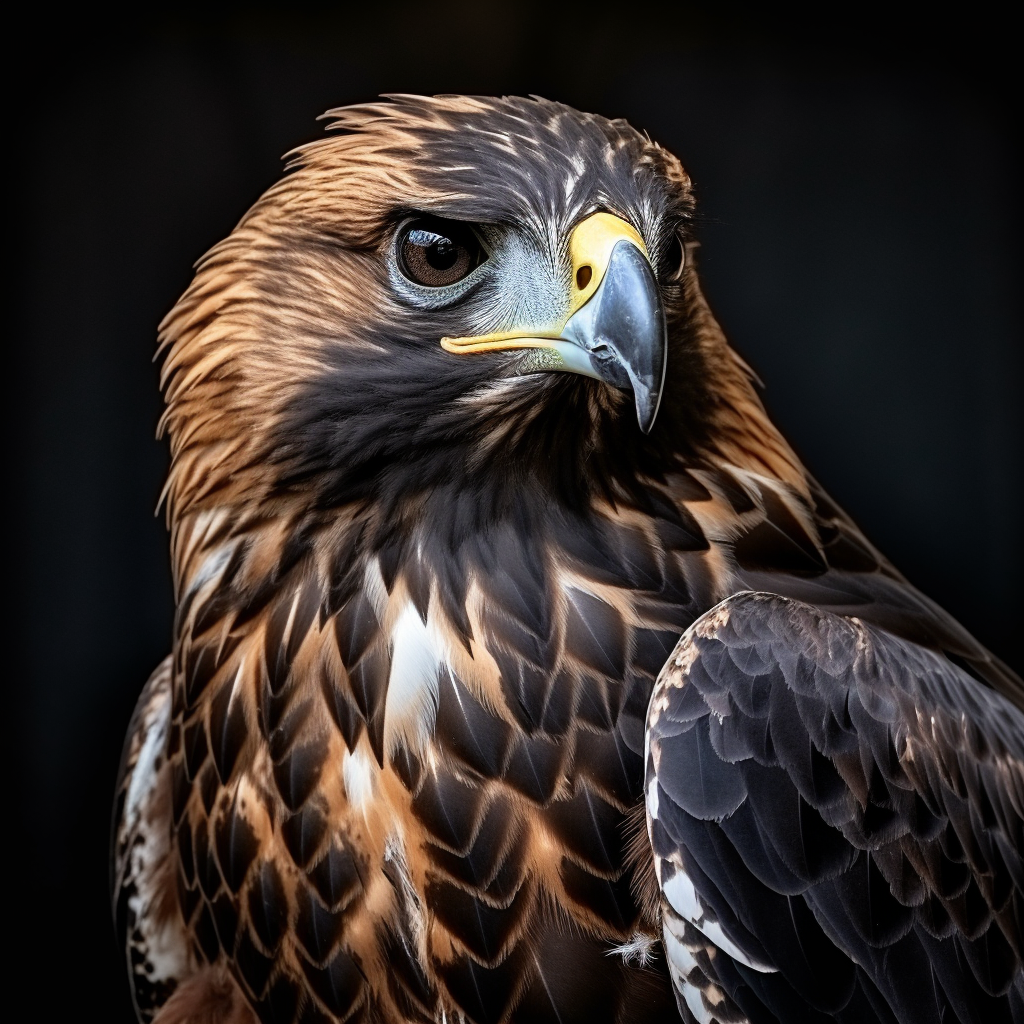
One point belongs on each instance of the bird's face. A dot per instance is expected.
(589, 305)
(449, 286)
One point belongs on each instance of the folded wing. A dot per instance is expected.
(836, 819)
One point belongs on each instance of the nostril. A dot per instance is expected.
(583, 276)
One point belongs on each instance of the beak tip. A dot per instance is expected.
(646, 412)
(647, 400)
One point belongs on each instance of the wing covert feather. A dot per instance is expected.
(839, 812)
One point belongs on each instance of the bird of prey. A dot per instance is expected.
(520, 671)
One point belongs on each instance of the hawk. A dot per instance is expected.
(520, 671)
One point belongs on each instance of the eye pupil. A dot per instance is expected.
(436, 253)
(442, 254)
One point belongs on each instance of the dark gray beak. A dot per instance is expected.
(622, 330)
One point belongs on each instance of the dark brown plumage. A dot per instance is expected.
(424, 589)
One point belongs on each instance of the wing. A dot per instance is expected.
(836, 819)
(816, 554)
(142, 882)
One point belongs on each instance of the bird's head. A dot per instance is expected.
(440, 292)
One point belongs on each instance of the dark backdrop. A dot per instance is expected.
(858, 185)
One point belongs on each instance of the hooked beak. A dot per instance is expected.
(615, 329)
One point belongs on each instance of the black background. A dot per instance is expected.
(858, 182)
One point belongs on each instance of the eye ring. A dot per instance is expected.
(675, 257)
(434, 252)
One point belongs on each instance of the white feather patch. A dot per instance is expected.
(412, 908)
(417, 653)
(359, 773)
(211, 569)
(145, 835)
(638, 950)
(682, 897)
(693, 1000)
(680, 959)
(375, 589)
(713, 930)
(144, 773)
(652, 800)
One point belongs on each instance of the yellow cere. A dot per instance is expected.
(590, 246)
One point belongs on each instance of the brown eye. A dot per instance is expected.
(436, 252)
